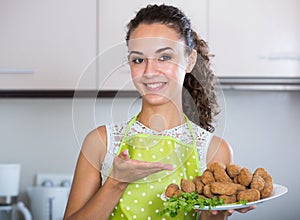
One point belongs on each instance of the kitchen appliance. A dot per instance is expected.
(48, 202)
(9, 191)
(9, 183)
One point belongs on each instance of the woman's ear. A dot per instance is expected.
(191, 61)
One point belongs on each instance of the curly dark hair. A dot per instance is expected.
(199, 95)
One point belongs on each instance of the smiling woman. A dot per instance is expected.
(124, 167)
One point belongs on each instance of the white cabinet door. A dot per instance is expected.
(255, 38)
(47, 45)
(114, 73)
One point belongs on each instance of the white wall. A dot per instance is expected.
(262, 127)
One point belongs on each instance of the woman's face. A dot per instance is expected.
(158, 62)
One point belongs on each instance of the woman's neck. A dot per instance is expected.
(161, 117)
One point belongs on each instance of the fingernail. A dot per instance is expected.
(171, 167)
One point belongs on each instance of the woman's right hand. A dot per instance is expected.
(128, 170)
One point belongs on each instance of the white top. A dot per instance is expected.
(115, 133)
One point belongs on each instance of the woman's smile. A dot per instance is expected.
(155, 86)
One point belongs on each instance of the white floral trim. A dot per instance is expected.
(115, 133)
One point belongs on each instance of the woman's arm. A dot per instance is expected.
(219, 151)
(88, 199)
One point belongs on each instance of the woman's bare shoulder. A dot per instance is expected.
(94, 145)
(96, 136)
(219, 150)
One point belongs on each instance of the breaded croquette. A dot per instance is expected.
(233, 170)
(187, 185)
(221, 176)
(257, 183)
(216, 165)
(207, 177)
(250, 195)
(223, 188)
(171, 189)
(245, 177)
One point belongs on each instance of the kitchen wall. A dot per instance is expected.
(263, 127)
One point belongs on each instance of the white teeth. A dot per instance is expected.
(154, 85)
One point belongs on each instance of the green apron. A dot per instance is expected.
(142, 199)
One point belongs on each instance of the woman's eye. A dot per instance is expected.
(138, 60)
(164, 58)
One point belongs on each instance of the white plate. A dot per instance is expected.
(278, 190)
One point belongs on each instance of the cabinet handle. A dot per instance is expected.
(283, 58)
(16, 71)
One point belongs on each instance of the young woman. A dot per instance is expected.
(124, 167)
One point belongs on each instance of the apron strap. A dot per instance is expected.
(190, 129)
(129, 125)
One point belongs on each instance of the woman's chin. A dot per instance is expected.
(155, 98)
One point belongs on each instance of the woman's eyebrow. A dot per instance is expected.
(163, 49)
(157, 51)
(135, 52)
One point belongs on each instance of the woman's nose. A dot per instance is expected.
(151, 66)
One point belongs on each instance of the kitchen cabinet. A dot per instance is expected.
(47, 45)
(80, 45)
(255, 38)
(114, 73)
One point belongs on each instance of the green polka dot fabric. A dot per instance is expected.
(142, 199)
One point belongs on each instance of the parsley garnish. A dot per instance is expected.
(187, 202)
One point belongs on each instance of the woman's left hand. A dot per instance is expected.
(222, 215)
(244, 210)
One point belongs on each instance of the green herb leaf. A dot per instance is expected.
(186, 203)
